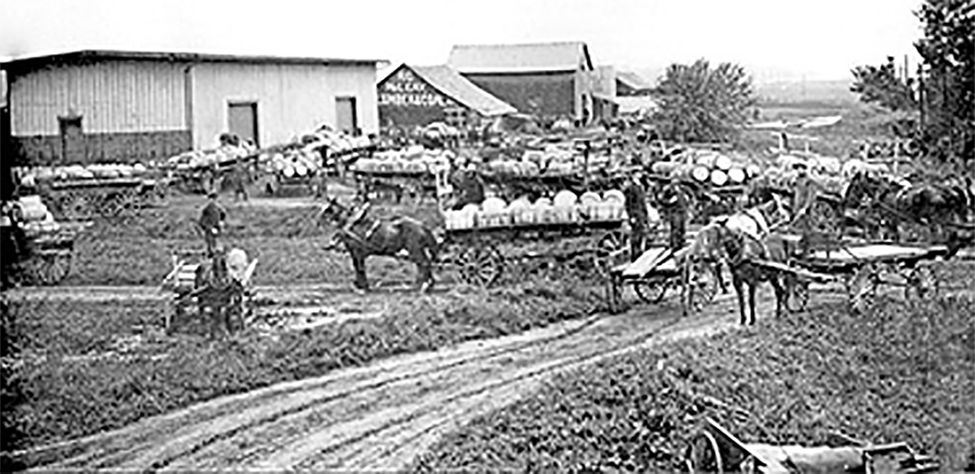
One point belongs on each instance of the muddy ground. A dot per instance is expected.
(379, 416)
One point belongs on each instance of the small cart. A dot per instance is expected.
(715, 450)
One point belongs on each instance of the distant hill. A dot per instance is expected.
(827, 92)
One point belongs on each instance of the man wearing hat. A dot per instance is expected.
(635, 200)
(673, 202)
(804, 190)
(211, 222)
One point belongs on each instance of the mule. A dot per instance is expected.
(401, 237)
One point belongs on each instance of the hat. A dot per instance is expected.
(212, 194)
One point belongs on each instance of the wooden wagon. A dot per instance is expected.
(480, 256)
(42, 256)
(84, 199)
(714, 449)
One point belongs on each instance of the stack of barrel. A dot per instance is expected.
(35, 216)
(707, 167)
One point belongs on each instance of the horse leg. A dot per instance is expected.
(716, 270)
(780, 294)
(359, 263)
(738, 283)
(752, 286)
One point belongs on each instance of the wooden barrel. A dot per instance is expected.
(736, 175)
(719, 178)
(700, 174)
(752, 170)
(723, 163)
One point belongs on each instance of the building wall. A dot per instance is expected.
(131, 110)
(542, 94)
(145, 110)
(111, 96)
(291, 99)
(405, 100)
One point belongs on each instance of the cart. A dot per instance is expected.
(715, 450)
(202, 295)
(85, 199)
(655, 273)
(481, 256)
(38, 256)
(863, 267)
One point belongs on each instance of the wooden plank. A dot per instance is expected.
(876, 252)
(646, 262)
(797, 271)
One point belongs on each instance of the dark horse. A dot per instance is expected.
(941, 207)
(744, 240)
(396, 237)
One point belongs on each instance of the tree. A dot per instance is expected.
(948, 83)
(699, 103)
(880, 85)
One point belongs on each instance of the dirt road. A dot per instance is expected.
(379, 416)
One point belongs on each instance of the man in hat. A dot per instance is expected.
(804, 191)
(635, 200)
(211, 222)
(673, 202)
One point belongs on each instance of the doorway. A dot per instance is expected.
(242, 121)
(345, 116)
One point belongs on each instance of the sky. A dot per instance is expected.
(776, 40)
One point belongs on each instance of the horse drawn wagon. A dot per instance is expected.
(212, 292)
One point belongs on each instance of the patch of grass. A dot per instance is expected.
(904, 373)
(49, 393)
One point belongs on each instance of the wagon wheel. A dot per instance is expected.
(861, 287)
(798, 298)
(54, 268)
(704, 455)
(451, 265)
(130, 200)
(652, 291)
(78, 206)
(610, 248)
(112, 205)
(481, 266)
(922, 282)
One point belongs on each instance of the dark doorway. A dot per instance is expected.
(345, 116)
(72, 139)
(242, 121)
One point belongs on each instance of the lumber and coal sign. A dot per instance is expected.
(404, 88)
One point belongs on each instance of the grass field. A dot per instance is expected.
(903, 373)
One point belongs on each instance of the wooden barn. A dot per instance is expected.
(544, 79)
(418, 95)
(118, 106)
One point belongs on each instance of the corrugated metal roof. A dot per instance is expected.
(520, 58)
(632, 80)
(90, 55)
(448, 81)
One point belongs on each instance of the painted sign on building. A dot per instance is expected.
(404, 88)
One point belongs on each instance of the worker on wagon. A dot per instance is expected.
(673, 203)
(211, 222)
(467, 185)
(635, 200)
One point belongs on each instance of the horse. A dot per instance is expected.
(739, 240)
(894, 201)
(399, 236)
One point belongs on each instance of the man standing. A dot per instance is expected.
(673, 201)
(241, 177)
(211, 222)
(804, 190)
(635, 198)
